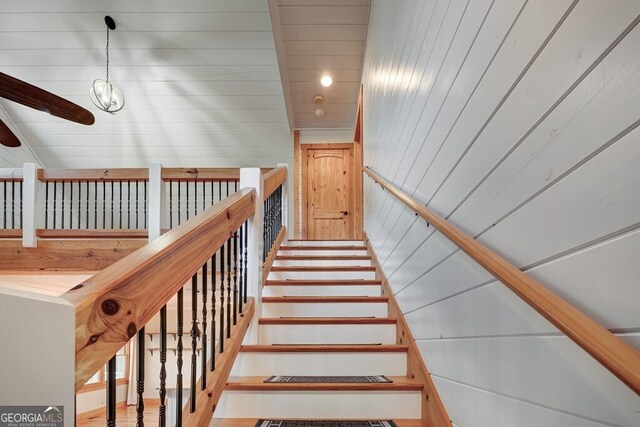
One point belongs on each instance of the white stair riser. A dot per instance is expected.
(322, 290)
(324, 243)
(324, 309)
(328, 334)
(324, 263)
(320, 404)
(322, 252)
(322, 275)
(322, 363)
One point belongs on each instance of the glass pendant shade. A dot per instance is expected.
(106, 96)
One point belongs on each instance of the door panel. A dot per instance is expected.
(329, 193)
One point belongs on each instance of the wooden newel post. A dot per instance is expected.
(30, 209)
(252, 178)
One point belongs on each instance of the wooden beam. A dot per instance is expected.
(207, 399)
(115, 303)
(433, 410)
(613, 353)
(139, 174)
(272, 181)
(266, 266)
(296, 183)
(65, 255)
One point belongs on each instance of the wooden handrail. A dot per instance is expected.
(272, 181)
(200, 174)
(618, 357)
(115, 303)
(139, 174)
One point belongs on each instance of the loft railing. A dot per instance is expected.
(618, 357)
(10, 202)
(273, 208)
(110, 203)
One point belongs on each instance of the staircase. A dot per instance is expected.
(323, 314)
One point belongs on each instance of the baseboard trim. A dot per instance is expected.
(433, 410)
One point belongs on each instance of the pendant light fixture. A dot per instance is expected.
(104, 94)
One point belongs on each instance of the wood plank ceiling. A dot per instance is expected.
(200, 77)
(321, 37)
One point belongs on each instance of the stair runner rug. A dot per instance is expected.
(323, 423)
(324, 379)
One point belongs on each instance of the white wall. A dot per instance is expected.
(517, 120)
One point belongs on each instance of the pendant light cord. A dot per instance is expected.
(107, 54)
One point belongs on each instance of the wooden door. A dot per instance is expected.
(329, 192)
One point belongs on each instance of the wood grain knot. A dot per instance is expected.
(228, 215)
(76, 287)
(110, 307)
(93, 339)
(131, 330)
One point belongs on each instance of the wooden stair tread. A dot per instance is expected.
(250, 383)
(251, 422)
(312, 282)
(322, 257)
(329, 268)
(326, 321)
(320, 248)
(327, 299)
(347, 348)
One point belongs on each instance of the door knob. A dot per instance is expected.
(344, 212)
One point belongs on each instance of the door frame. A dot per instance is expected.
(356, 192)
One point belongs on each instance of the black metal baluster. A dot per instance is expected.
(187, 201)
(113, 195)
(227, 189)
(95, 204)
(212, 202)
(140, 378)
(212, 366)
(55, 198)
(234, 242)
(194, 340)
(62, 206)
(129, 204)
(179, 201)
(120, 207)
(222, 298)
(137, 202)
(145, 204)
(71, 204)
(4, 202)
(195, 196)
(179, 349)
(21, 199)
(246, 250)
(46, 204)
(170, 204)
(111, 392)
(162, 411)
(241, 271)
(219, 190)
(104, 205)
(229, 308)
(204, 197)
(203, 341)
(13, 204)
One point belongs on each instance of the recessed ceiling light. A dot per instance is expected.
(326, 80)
(319, 112)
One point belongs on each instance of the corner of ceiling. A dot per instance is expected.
(26, 147)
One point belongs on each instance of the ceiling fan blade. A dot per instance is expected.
(8, 138)
(34, 97)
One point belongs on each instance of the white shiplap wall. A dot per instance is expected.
(517, 120)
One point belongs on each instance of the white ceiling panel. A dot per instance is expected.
(322, 37)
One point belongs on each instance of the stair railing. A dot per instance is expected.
(274, 195)
(205, 263)
(11, 192)
(618, 357)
